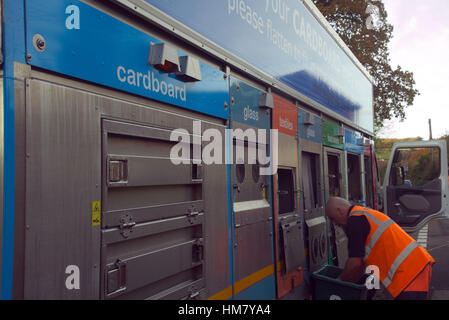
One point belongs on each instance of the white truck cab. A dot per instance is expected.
(415, 189)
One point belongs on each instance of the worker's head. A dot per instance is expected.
(337, 210)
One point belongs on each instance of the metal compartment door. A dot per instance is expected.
(153, 217)
(62, 177)
(334, 187)
(291, 255)
(313, 210)
(292, 243)
(252, 221)
(252, 212)
(289, 220)
(355, 178)
(288, 229)
(416, 183)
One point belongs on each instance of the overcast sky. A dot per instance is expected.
(421, 45)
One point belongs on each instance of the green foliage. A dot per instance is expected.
(394, 88)
(425, 169)
(383, 149)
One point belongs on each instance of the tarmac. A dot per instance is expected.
(438, 247)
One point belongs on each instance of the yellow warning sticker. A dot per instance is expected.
(96, 213)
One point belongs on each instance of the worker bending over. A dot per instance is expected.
(376, 240)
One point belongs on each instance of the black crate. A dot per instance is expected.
(326, 286)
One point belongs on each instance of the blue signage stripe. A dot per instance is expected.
(353, 142)
(85, 43)
(313, 132)
(14, 51)
(246, 105)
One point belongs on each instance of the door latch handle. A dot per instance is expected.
(398, 207)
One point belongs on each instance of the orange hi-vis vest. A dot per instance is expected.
(397, 255)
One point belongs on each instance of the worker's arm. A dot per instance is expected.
(357, 230)
(353, 271)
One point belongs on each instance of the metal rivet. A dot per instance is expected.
(39, 42)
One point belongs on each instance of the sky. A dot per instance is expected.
(420, 44)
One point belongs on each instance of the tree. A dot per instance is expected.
(363, 26)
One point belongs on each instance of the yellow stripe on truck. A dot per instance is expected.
(244, 283)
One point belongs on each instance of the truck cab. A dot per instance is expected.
(415, 187)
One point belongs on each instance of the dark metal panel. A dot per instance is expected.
(184, 291)
(253, 248)
(150, 220)
(215, 195)
(137, 200)
(136, 130)
(154, 256)
(150, 228)
(340, 155)
(339, 241)
(190, 208)
(164, 173)
(153, 266)
(217, 239)
(21, 73)
(251, 203)
(293, 245)
(318, 251)
(63, 177)
(257, 211)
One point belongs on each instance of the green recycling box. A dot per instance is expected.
(326, 286)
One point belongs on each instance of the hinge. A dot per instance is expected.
(198, 251)
(117, 171)
(116, 277)
(192, 214)
(194, 293)
(126, 225)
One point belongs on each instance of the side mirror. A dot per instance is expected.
(398, 175)
(402, 173)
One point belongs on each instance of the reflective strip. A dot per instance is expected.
(376, 236)
(398, 261)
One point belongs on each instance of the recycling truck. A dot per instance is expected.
(186, 149)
